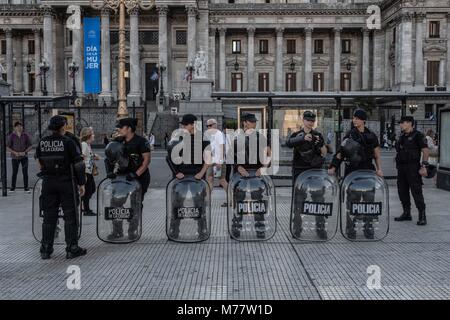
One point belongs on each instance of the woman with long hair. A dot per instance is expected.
(87, 138)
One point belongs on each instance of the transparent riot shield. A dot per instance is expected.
(188, 210)
(364, 206)
(315, 206)
(251, 207)
(119, 206)
(38, 216)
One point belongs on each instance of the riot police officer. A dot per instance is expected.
(251, 157)
(359, 149)
(137, 151)
(61, 167)
(187, 162)
(410, 146)
(309, 151)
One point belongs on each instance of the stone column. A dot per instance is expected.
(378, 59)
(279, 60)
(212, 56)
(337, 59)
(441, 72)
(365, 60)
(418, 77)
(18, 64)
(251, 59)
(135, 68)
(203, 30)
(77, 57)
(163, 45)
(25, 61)
(222, 59)
(192, 32)
(308, 59)
(448, 52)
(406, 52)
(37, 60)
(387, 62)
(48, 49)
(106, 93)
(9, 59)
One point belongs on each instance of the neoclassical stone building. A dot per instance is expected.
(252, 45)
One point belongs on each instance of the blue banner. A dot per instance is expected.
(92, 72)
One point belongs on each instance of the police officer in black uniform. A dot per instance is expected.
(359, 149)
(137, 150)
(182, 165)
(410, 146)
(61, 167)
(309, 151)
(251, 157)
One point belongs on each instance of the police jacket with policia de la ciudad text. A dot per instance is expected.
(60, 158)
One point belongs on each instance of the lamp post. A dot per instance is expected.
(162, 68)
(349, 65)
(413, 107)
(44, 67)
(73, 69)
(190, 69)
(121, 6)
(236, 65)
(292, 64)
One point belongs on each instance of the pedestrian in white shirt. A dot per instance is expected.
(217, 142)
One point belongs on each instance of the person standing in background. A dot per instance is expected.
(151, 140)
(19, 144)
(87, 138)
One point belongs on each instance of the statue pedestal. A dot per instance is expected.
(201, 90)
(201, 103)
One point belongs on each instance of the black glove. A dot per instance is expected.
(132, 176)
(319, 143)
(111, 175)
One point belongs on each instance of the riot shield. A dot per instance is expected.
(38, 217)
(119, 206)
(188, 210)
(315, 206)
(251, 207)
(364, 206)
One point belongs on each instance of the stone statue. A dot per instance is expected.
(201, 65)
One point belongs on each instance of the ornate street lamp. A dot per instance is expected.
(73, 69)
(292, 64)
(349, 65)
(190, 69)
(44, 67)
(121, 6)
(162, 68)
(236, 64)
(28, 67)
(413, 107)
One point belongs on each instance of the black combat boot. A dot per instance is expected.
(72, 249)
(406, 215)
(422, 218)
(321, 229)
(117, 232)
(46, 251)
(48, 236)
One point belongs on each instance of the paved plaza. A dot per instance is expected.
(414, 261)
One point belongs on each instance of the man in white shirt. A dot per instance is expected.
(217, 142)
